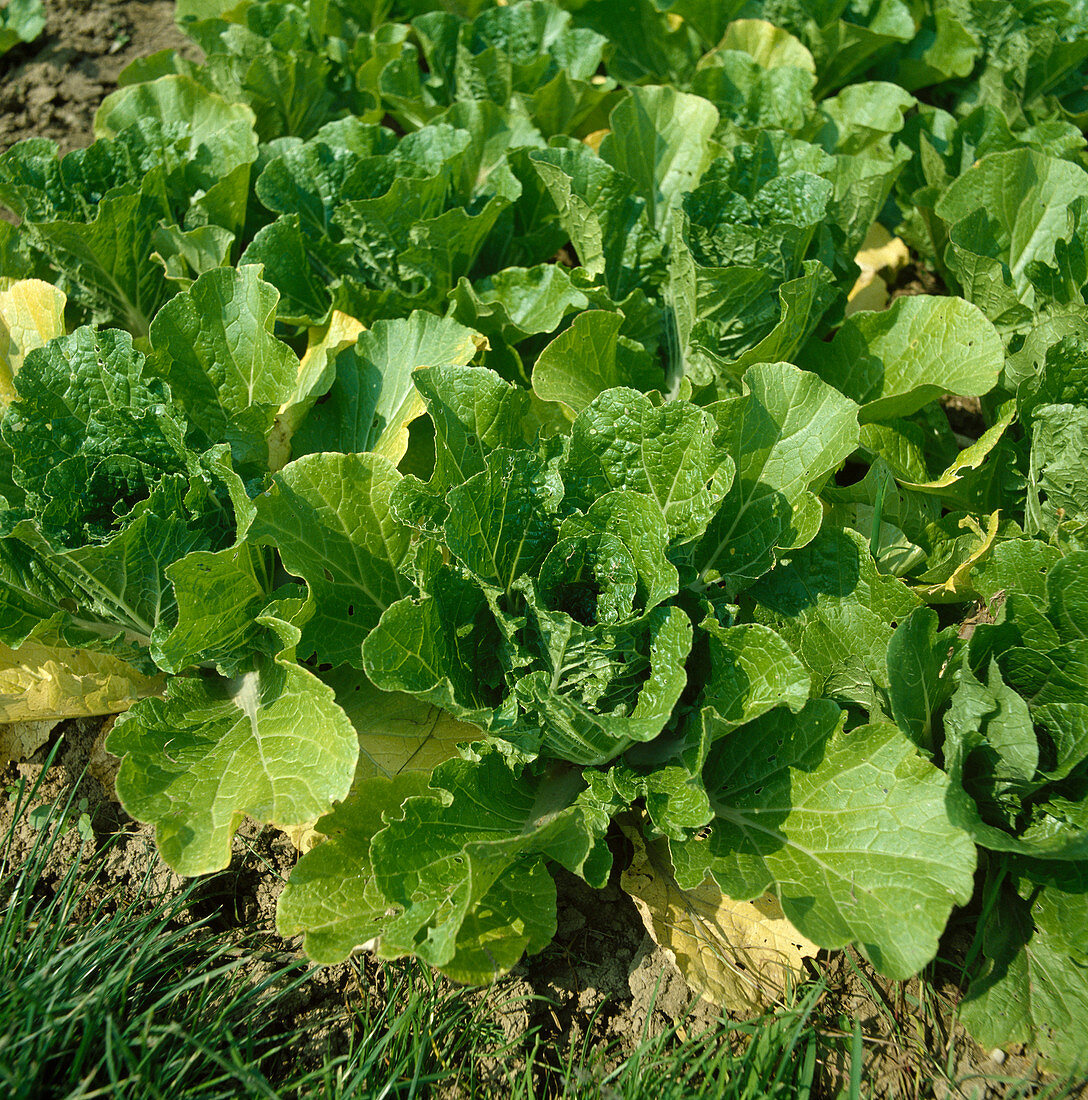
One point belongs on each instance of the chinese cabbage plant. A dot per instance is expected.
(462, 428)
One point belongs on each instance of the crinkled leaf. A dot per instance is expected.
(623, 441)
(439, 861)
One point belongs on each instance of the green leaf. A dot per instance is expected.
(837, 612)
(216, 750)
(636, 521)
(919, 676)
(86, 396)
(474, 412)
(1011, 208)
(331, 897)
(1057, 485)
(1033, 987)
(787, 432)
(20, 21)
(219, 595)
(589, 358)
(770, 46)
(848, 829)
(941, 51)
(421, 645)
(107, 257)
(328, 515)
(638, 694)
(1067, 594)
(661, 139)
(752, 670)
(862, 116)
(895, 361)
(440, 861)
(752, 95)
(215, 345)
(398, 733)
(293, 263)
(992, 753)
(501, 523)
(204, 144)
(518, 302)
(607, 222)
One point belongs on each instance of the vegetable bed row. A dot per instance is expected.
(454, 429)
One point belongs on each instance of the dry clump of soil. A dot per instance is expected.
(52, 87)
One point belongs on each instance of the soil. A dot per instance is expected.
(52, 87)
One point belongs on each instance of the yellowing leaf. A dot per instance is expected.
(968, 459)
(323, 344)
(869, 292)
(397, 732)
(880, 253)
(303, 837)
(42, 683)
(958, 586)
(594, 139)
(31, 314)
(766, 44)
(21, 740)
(740, 955)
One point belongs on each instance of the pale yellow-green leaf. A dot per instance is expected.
(323, 344)
(768, 45)
(42, 683)
(397, 732)
(31, 314)
(393, 441)
(742, 956)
